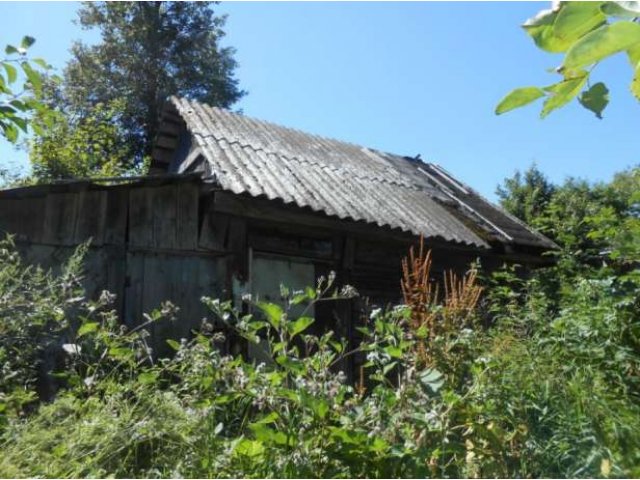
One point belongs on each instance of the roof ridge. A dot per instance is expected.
(290, 129)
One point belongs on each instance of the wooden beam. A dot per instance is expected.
(269, 210)
(264, 211)
(167, 141)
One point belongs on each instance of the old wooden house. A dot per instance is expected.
(235, 205)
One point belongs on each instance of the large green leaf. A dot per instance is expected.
(432, 379)
(41, 62)
(10, 132)
(268, 435)
(12, 73)
(595, 99)
(518, 98)
(147, 378)
(576, 19)
(88, 327)
(27, 41)
(33, 76)
(540, 29)
(249, 448)
(562, 93)
(627, 10)
(299, 326)
(601, 43)
(272, 311)
(21, 124)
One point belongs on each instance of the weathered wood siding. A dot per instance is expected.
(179, 240)
(143, 247)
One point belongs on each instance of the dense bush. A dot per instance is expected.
(551, 389)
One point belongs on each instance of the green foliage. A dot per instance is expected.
(564, 387)
(21, 80)
(148, 51)
(595, 99)
(593, 223)
(526, 195)
(519, 98)
(33, 315)
(550, 390)
(88, 146)
(587, 33)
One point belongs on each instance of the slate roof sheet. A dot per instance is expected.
(249, 156)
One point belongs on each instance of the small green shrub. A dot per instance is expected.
(551, 389)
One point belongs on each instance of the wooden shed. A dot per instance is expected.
(236, 205)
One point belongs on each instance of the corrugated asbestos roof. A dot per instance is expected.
(345, 180)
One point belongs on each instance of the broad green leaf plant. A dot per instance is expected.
(587, 33)
(21, 82)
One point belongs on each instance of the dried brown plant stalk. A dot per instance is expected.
(420, 294)
(461, 297)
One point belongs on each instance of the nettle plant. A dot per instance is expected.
(296, 414)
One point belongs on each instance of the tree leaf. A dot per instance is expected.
(88, 327)
(393, 351)
(34, 77)
(576, 19)
(21, 123)
(540, 29)
(272, 311)
(311, 292)
(249, 448)
(12, 73)
(601, 43)
(11, 133)
(318, 406)
(268, 435)
(147, 378)
(19, 105)
(38, 130)
(562, 93)
(626, 10)
(27, 41)
(595, 99)
(41, 62)
(121, 353)
(432, 379)
(173, 344)
(269, 418)
(300, 325)
(519, 98)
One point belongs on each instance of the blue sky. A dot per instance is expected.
(407, 78)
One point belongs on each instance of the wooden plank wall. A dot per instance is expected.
(184, 280)
(164, 217)
(145, 247)
(48, 229)
(175, 241)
